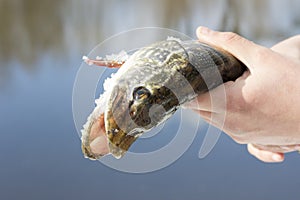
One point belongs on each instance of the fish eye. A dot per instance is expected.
(133, 111)
(140, 93)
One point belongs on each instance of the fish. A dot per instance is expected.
(148, 88)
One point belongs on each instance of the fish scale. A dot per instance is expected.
(154, 82)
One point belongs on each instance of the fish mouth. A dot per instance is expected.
(98, 142)
(111, 132)
(115, 130)
(121, 130)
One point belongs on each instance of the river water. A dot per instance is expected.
(41, 45)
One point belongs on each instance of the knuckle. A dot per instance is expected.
(231, 37)
(254, 98)
(235, 103)
(239, 139)
(201, 100)
(230, 101)
(262, 54)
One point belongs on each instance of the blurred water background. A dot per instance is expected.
(41, 45)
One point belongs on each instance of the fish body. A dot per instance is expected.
(155, 81)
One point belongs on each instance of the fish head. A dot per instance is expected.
(130, 114)
(140, 96)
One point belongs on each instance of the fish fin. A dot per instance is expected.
(103, 62)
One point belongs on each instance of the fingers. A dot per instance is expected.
(289, 47)
(214, 100)
(265, 156)
(222, 98)
(279, 148)
(241, 48)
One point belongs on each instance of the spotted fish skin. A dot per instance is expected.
(167, 74)
(152, 84)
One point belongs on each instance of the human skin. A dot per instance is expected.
(263, 105)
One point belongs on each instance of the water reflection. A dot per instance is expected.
(31, 27)
(28, 29)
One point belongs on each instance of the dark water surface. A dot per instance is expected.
(41, 45)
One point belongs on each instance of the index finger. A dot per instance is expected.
(243, 49)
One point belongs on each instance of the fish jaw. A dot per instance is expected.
(140, 70)
(94, 139)
(121, 130)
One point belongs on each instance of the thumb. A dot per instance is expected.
(243, 49)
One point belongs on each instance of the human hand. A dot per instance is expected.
(290, 48)
(262, 106)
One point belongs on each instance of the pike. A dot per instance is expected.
(149, 87)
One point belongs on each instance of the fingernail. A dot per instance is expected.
(277, 157)
(204, 30)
